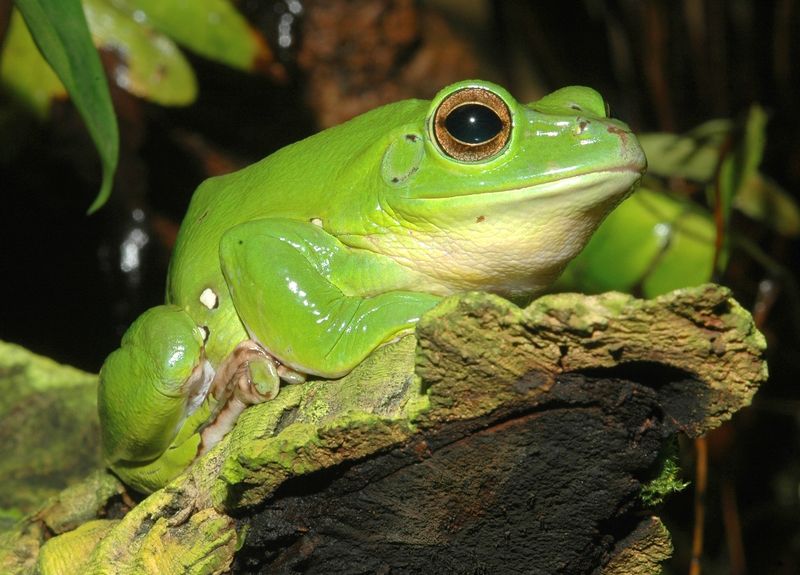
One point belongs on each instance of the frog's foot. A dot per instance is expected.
(248, 376)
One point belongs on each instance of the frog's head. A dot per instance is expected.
(488, 193)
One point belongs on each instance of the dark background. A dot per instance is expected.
(70, 284)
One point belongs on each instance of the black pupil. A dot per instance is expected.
(473, 124)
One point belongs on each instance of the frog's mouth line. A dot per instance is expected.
(573, 183)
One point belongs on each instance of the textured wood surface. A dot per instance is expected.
(500, 440)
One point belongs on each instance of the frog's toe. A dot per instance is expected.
(261, 381)
(290, 375)
(248, 376)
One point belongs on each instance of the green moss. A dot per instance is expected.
(477, 354)
(49, 429)
(667, 482)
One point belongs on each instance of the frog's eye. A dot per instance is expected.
(472, 124)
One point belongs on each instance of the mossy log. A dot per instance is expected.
(498, 440)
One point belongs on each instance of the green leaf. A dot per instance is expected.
(653, 242)
(212, 28)
(24, 74)
(148, 64)
(688, 257)
(693, 155)
(62, 35)
(740, 166)
(737, 169)
(765, 201)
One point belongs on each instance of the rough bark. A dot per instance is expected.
(503, 440)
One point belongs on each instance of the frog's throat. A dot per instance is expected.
(511, 242)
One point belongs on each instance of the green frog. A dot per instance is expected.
(306, 261)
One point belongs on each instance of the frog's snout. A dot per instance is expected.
(631, 150)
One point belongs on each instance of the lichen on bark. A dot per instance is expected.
(498, 436)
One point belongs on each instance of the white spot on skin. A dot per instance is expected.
(204, 330)
(209, 298)
(177, 355)
(316, 222)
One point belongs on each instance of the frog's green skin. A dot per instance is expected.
(337, 244)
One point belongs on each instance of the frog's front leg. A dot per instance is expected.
(318, 306)
(248, 376)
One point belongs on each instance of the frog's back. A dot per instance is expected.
(291, 183)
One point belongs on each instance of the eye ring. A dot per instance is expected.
(480, 119)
